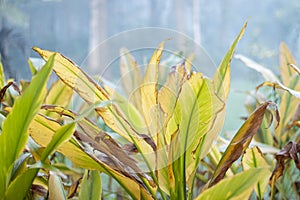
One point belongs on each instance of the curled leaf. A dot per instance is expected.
(280, 86)
(290, 151)
(295, 68)
(3, 90)
(240, 142)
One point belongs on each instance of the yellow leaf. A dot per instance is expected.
(253, 158)
(92, 93)
(59, 94)
(42, 130)
(149, 92)
(131, 76)
(286, 58)
(239, 143)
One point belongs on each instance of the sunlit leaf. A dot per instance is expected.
(42, 130)
(131, 76)
(149, 93)
(75, 78)
(14, 133)
(2, 76)
(240, 142)
(56, 188)
(253, 158)
(193, 116)
(222, 76)
(61, 136)
(221, 84)
(31, 67)
(91, 186)
(239, 186)
(59, 94)
(286, 58)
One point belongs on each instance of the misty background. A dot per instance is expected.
(75, 27)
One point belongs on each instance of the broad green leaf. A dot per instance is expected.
(59, 94)
(253, 158)
(131, 76)
(239, 143)
(167, 98)
(286, 58)
(193, 116)
(14, 133)
(42, 130)
(169, 92)
(56, 188)
(239, 186)
(91, 186)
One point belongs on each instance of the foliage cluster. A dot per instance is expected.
(159, 142)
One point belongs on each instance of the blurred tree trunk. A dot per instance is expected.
(196, 21)
(180, 15)
(98, 33)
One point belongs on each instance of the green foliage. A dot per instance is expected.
(161, 143)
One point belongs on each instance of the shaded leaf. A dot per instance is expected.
(91, 186)
(56, 188)
(14, 133)
(240, 142)
(20, 186)
(290, 151)
(253, 158)
(42, 130)
(3, 90)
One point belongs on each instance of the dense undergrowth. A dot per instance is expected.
(159, 141)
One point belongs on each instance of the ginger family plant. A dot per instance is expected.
(159, 134)
(286, 137)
